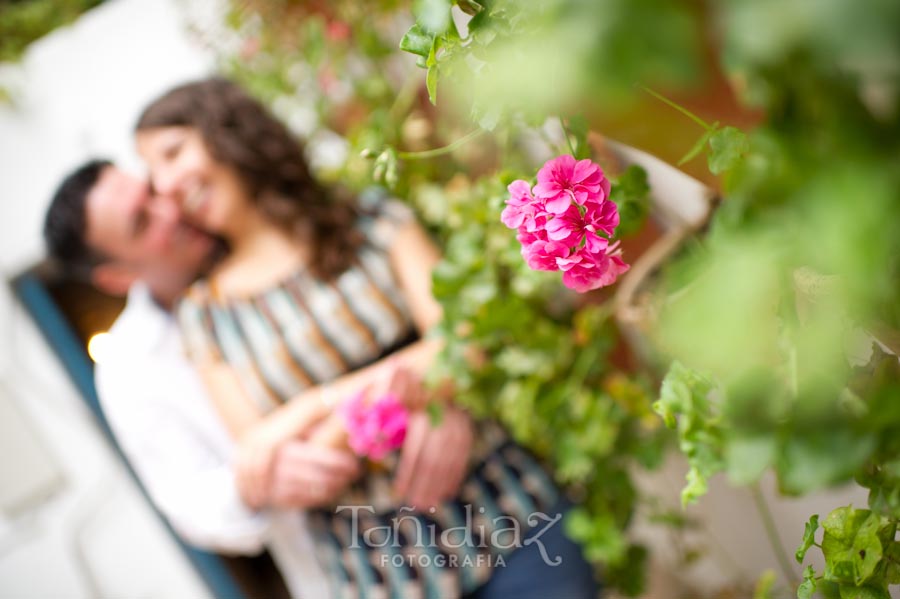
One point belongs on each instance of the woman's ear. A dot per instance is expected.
(114, 279)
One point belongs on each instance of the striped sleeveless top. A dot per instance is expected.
(304, 331)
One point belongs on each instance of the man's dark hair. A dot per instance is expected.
(65, 226)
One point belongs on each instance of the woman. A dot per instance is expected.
(312, 291)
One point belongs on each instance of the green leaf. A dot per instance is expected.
(808, 586)
(809, 538)
(631, 194)
(851, 545)
(727, 146)
(678, 389)
(813, 459)
(696, 487)
(892, 563)
(577, 126)
(433, 15)
(747, 457)
(863, 592)
(431, 79)
(698, 147)
(765, 585)
(417, 41)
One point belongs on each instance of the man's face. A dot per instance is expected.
(142, 232)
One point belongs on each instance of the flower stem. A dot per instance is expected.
(772, 533)
(425, 154)
(562, 124)
(679, 108)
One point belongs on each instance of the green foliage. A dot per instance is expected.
(861, 555)
(27, 20)
(802, 255)
(809, 538)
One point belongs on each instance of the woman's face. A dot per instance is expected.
(210, 194)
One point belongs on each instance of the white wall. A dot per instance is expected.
(77, 94)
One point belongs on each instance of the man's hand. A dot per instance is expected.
(305, 475)
(254, 461)
(433, 459)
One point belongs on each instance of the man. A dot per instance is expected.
(107, 226)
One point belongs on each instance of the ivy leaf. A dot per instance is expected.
(726, 147)
(417, 41)
(809, 538)
(808, 586)
(850, 545)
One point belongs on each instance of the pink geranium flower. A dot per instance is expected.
(586, 222)
(566, 222)
(521, 207)
(376, 428)
(563, 180)
(586, 270)
(544, 255)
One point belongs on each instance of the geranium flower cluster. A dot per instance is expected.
(375, 428)
(565, 223)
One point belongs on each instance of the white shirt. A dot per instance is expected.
(161, 416)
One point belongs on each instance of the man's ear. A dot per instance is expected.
(114, 279)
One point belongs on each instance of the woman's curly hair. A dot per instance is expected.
(240, 133)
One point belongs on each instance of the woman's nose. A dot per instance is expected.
(164, 182)
(164, 208)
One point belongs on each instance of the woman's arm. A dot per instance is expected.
(412, 257)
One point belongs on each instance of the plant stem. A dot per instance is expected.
(679, 108)
(425, 154)
(772, 533)
(562, 124)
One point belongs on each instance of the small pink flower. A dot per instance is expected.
(521, 207)
(585, 270)
(544, 255)
(562, 180)
(377, 428)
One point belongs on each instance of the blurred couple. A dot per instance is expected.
(261, 305)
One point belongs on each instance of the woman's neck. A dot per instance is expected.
(260, 255)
